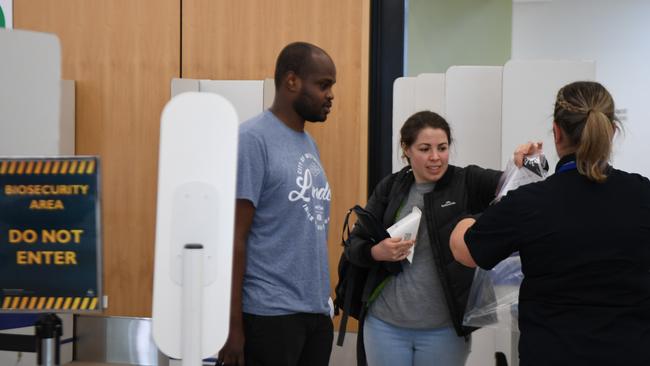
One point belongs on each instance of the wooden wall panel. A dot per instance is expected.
(241, 40)
(122, 55)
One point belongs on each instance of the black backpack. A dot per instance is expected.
(349, 291)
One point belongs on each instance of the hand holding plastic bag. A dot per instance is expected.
(534, 169)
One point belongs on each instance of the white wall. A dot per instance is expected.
(529, 89)
(615, 34)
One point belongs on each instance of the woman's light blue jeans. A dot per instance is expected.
(389, 345)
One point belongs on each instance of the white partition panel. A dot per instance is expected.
(36, 118)
(430, 93)
(403, 107)
(247, 96)
(184, 85)
(529, 90)
(473, 109)
(30, 91)
(269, 93)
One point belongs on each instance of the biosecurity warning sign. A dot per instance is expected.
(49, 234)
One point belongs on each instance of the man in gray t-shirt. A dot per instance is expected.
(280, 291)
(280, 173)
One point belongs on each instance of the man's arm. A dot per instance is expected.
(232, 352)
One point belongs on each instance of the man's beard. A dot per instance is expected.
(305, 110)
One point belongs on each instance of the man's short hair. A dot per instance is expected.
(296, 57)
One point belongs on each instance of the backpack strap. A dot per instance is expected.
(351, 273)
(346, 305)
(349, 286)
(346, 226)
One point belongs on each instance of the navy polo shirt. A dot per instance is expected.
(585, 252)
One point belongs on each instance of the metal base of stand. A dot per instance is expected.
(49, 329)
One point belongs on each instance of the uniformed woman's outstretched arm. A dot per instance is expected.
(458, 245)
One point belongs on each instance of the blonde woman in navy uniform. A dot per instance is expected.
(584, 239)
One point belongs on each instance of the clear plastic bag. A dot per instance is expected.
(535, 169)
(494, 295)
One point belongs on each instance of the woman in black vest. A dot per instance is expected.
(584, 239)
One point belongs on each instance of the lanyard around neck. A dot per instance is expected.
(567, 166)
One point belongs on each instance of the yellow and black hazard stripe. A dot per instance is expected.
(49, 303)
(73, 166)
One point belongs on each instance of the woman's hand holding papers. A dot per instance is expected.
(392, 249)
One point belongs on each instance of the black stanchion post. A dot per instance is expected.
(49, 329)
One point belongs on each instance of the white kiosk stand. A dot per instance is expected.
(194, 226)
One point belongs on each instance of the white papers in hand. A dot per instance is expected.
(407, 229)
